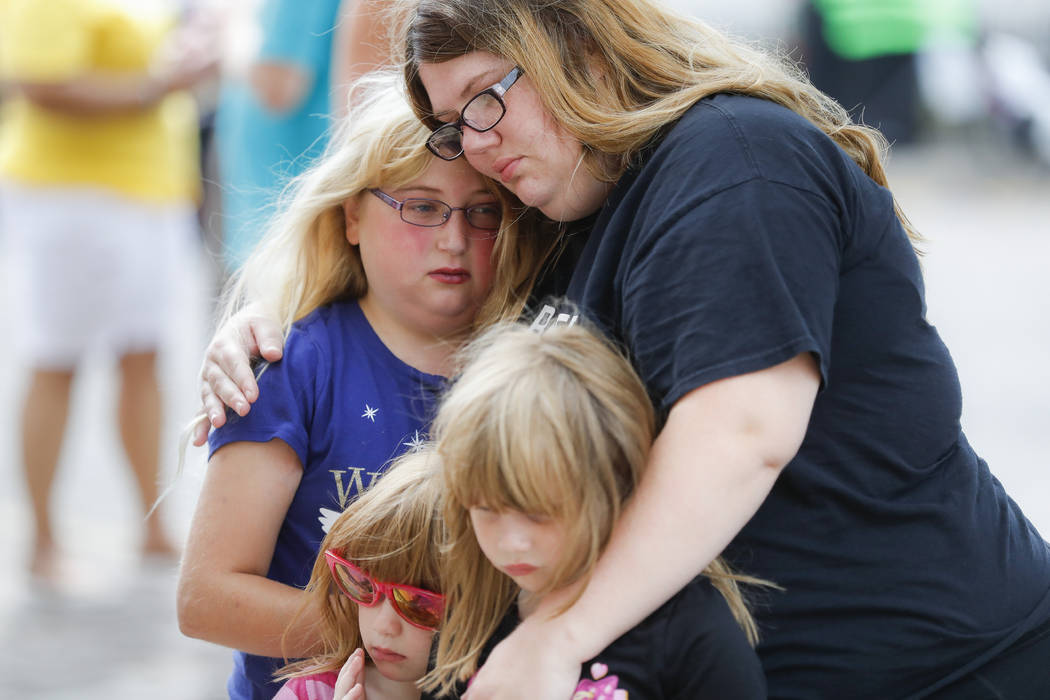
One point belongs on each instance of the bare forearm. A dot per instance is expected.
(678, 522)
(101, 93)
(250, 613)
(97, 96)
(709, 471)
(223, 593)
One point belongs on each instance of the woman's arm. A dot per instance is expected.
(715, 461)
(223, 593)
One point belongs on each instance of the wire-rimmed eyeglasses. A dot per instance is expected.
(484, 219)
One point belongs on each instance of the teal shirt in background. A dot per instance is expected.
(259, 151)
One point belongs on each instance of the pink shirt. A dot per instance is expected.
(318, 686)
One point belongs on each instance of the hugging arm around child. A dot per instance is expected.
(542, 439)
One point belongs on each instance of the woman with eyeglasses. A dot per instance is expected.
(376, 582)
(739, 239)
(382, 261)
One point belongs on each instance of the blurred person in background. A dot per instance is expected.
(360, 45)
(272, 120)
(98, 179)
(1018, 75)
(272, 117)
(210, 16)
(865, 54)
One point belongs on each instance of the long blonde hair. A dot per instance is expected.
(557, 424)
(653, 63)
(304, 260)
(394, 532)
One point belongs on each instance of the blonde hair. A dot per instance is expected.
(393, 531)
(304, 260)
(554, 423)
(615, 73)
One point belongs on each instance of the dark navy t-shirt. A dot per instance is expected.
(347, 406)
(742, 239)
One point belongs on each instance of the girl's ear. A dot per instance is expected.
(350, 216)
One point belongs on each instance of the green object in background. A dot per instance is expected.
(860, 29)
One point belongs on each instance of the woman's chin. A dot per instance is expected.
(563, 206)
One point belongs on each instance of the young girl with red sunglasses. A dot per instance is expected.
(376, 582)
(542, 439)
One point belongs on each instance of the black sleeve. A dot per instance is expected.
(706, 655)
(735, 283)
(507, 625)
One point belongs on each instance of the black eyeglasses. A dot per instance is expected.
(481, 113)
(430, 213)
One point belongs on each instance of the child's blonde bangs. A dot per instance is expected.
(507, 453)
(388, 557)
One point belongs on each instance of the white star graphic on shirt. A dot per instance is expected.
(416, 443)
(370, 413)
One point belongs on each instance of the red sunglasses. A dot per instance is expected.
(416, 606)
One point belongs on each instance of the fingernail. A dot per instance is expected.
(241, 407)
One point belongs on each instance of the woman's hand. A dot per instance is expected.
(226, 373)
(533, 663)
(351, 682)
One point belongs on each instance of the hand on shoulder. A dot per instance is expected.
(226, 373)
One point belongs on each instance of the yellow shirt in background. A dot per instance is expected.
(149, 155)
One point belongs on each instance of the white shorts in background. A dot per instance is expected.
(88, 266)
